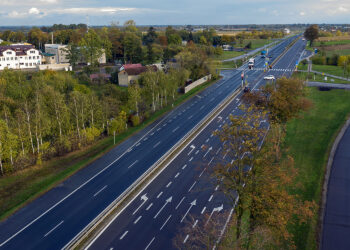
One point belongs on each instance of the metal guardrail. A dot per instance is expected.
(95, 226)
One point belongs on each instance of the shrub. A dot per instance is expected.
(135, 120)
(319, 60)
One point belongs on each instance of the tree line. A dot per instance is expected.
(48, 114)
(128, 43)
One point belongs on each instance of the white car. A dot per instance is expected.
(269, 77)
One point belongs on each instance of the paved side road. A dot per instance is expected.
(336, 222)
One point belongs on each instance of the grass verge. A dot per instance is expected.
(309, 140)
(318, 78)
(20, 188)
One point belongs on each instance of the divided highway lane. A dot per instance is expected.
(56, 217)
(182, 190)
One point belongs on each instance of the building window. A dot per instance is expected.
(7, 58)
(9, 53)
(21, 63)
(11, 58)
(26, 64)
(30, 58)
(16, 58)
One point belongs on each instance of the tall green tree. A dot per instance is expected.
(312, 33)
(91, 47)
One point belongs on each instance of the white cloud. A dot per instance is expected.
(34, 11)
(342, 9)
(302, 13)
(102, 10)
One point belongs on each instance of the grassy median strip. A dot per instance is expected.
(309, 140)
(18, 189)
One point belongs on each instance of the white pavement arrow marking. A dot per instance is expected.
(193, 203)
(216, 209)
(144, 198)
(192, 148)
(220, 118)
(166, 202)
(209, 149)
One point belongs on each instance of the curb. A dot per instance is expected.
(326, 180)
(94, 227)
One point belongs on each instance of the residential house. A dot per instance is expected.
(129, 73)
(19, 56)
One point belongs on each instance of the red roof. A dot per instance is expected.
(132, 66)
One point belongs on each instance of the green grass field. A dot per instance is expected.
(228, 54)
(257, 43)
(18, 189)
(309, 140)
(343, 52)
(329, 69)
(330, 43)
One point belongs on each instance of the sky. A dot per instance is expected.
(172, 12)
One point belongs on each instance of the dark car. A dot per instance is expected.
(246, 90)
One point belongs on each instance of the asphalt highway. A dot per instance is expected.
(55, 218)
(183, 193)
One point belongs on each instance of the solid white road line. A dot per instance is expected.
(175, 129)
(53, 229)
(149, 243)
(156, 144)
(137, 220)
(100, 191)
(149, 206)
(133, 163)
(211, 197)
(165, 222)
(179, 203)
(203, 210)
(192, 186)
(124, 234)
(217, 187)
